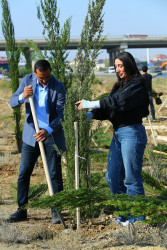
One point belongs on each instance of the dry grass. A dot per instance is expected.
(142, 235)
(9, 234)
(106, 86)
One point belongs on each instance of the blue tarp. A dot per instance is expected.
(150, 64)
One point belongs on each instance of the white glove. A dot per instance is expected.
(90, 105)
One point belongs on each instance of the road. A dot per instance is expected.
(113, 75)
(164, 75)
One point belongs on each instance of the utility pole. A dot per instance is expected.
(148, 56)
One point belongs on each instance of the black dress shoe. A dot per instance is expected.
(55, 217)
(19, 215)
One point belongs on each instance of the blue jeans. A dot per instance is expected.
(29, 157)
(124, 169)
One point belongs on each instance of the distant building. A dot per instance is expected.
(3, 63)
(160, 57)
(100, 64)
(135, 36)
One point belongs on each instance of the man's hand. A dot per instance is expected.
(27, 92)
(41, 135)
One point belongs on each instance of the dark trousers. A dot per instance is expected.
(29, 157)
(151, 105)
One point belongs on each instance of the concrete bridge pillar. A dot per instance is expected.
(29, 58)
(112, 55)
(115, 51)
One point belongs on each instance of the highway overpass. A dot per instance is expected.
(113, 45)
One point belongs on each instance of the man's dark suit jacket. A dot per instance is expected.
(55, 107)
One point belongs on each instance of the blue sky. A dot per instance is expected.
(120, 17)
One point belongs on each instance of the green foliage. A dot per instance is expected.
(96, 81)
(36, 191)
(36, 53)
(99, 197)
(92, 201)
(154, 208)
(107, 63)
(23, 71)
(99, 157)
(86, 199)
(102, 139)
(13, 56)
(68, 126)
(101, 96)
(28, 66)
(13, 53)
(161, 147)
(88, 50)
(91, 42)
(98, 180)
(148, 179)
(6, 117)
(84, 145)
(57, 39)
(101, 69)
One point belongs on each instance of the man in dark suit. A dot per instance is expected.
(148, 79)
(49, 98)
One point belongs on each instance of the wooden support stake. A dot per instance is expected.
(159, 152)
(77, 170)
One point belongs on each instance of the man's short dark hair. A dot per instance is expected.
(144, 68)
(42, 65)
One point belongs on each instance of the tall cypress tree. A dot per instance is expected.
(89, 48)
(57, 39)
(13, 56)
(70, 115)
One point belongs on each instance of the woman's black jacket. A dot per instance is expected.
(126, 105)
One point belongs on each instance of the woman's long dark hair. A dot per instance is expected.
(130, 67)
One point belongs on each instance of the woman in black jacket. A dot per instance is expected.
(125, 107)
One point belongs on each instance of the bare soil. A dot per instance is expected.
(38, 232)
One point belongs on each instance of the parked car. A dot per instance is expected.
(3, 76)
(156, 70)
(111, 69)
